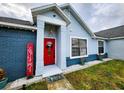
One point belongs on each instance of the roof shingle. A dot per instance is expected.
(112, 32)
(15, 21)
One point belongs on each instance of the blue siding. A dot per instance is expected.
(72, 61)
(13, 51)
(92, 57)
(105, 55)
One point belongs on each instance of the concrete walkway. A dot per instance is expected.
(17, 84)
(60, 85)
(86, 65)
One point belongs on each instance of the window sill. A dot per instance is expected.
(101, 54)
(78, 57)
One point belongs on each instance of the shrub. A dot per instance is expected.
(2, 74)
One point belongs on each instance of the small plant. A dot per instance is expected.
(3, 78)
(99, 57)
(82, 61)
(2, 74)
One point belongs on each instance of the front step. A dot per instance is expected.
(58, 82)
(51, 70)
(54, 78)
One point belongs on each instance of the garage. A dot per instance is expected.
(13, 51)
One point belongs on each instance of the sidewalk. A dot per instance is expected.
(17, 84)
(79, 67)
(60, 85)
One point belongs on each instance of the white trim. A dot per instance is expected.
(71, 47)
(97, 37)
(42, 7)
(48, 8)
(63, 15)
(98, 46)
(78, 18)
(55, 49)
(18, 25)
(103, 38)
(116, 38)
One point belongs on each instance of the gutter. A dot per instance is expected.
(114, 38)
(6, 24)
(97, 37)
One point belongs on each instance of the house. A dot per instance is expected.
(115, 41)
(61, 39)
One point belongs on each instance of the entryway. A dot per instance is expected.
(51, 59)
(50, 49)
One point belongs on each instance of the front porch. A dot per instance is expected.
(17, 84)
(51, 70)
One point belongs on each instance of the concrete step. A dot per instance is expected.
(62, 84)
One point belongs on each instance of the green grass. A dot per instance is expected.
(104, 76)
(37, 86)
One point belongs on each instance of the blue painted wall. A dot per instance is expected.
(76, 30)
(51, 14)
(87, 59)
(13, 51)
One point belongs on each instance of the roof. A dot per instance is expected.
(16, 23)
(111, 32)
(78, 18)
(39, 10)
(49, 7)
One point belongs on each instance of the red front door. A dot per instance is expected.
(49, 51)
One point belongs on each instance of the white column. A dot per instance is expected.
(63, 46)
(39, 47)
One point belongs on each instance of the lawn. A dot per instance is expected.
(37, 86)
(104, 76)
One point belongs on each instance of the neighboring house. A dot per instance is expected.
(60, 36)
(115, 41)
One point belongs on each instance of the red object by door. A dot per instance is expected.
(30, 59)
(49, 51)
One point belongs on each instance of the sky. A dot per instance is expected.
(97, 16)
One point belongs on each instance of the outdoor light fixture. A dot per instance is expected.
(51, 33)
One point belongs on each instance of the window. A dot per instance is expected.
(100, 47)
(78, 47)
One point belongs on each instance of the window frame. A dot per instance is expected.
(103, 47)
(73, 57)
